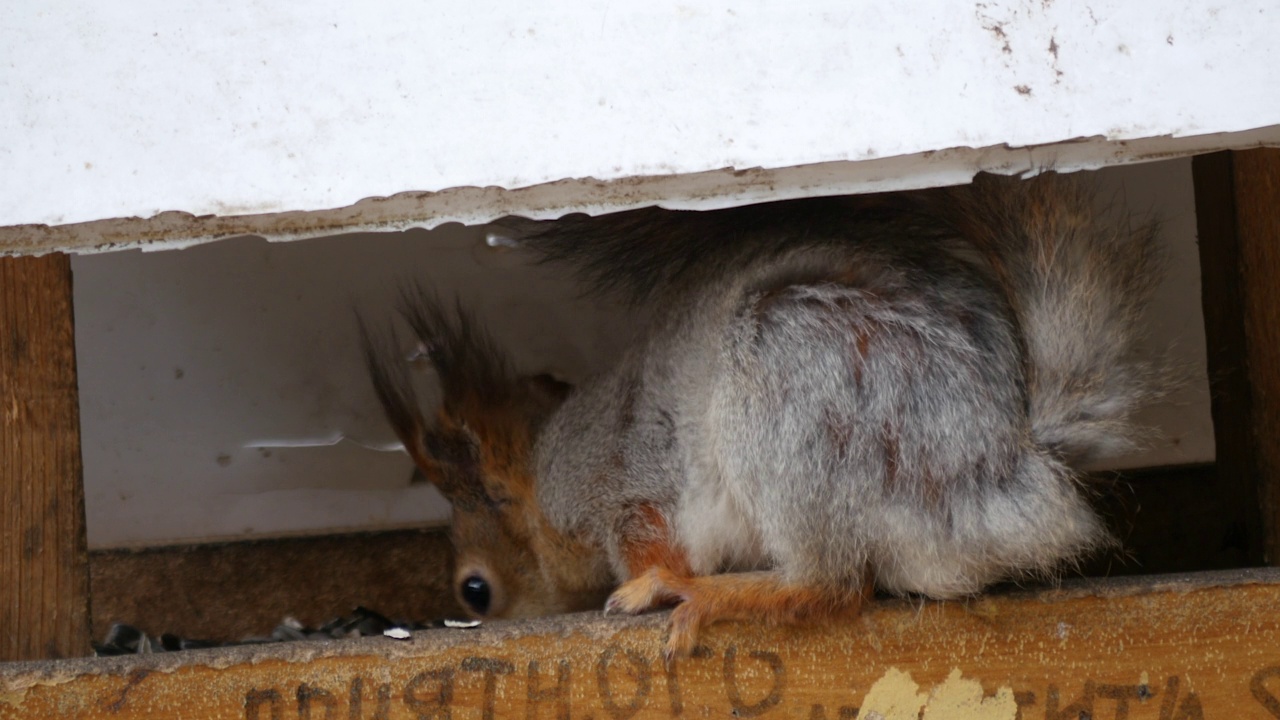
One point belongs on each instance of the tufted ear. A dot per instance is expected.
(474, 375)
(478, 447)
(441, 456)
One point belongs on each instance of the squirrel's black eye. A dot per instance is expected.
(475, 593)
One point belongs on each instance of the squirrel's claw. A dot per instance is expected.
(640, 594)
(686, 624)
(656, 588)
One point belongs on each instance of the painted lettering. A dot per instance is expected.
(846, 712)
(308, 694)
(1023, 699)
(755, 682)
(1170, 698)
(492, 668)
(1122, 694)
(673, 688)
(427, 705)
(741, 709)
(1265, 697)
(637, 668)
(701, 652)
(355, 701)
(559, 694)
(1081, 709)
(255, 699)
(1189, 709)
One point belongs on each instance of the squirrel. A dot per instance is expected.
(833, 395)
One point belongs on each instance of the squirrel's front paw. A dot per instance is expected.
(650, 591)
(655, 589)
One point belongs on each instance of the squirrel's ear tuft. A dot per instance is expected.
(473, 373)
(445, 457)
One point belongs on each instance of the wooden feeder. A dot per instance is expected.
(129, 126)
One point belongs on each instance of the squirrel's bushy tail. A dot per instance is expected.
(638, 255)
(1078, 277)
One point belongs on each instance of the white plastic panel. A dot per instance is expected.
(119, 109)
(213, 379)
(223, 394)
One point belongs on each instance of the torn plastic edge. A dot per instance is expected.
(693, 191)
(327, 441)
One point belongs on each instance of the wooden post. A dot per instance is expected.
(1238, 218)
(44, 579)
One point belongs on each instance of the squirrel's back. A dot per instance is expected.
(898, 384)
(1075, 275)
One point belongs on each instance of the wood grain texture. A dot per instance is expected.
(44, 588)
(1238, 219)
(1168, 520)
(1257, 182)
(1174, 648)
(230, 591)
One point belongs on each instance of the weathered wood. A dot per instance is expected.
(1170, 648)
(229, 591)
(1238, 218)
(1257, 184)
(44, 584)
(1167, 520)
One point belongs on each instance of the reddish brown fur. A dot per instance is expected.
(862, 339)
(757, 596)
(490, 421)
(839, 433)
(647, 543)
(931, 490)
(412, 438)
(890, 457)
(505, 448)
(511, 536)
(660, 575)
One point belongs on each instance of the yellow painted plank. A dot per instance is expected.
(1205, 646)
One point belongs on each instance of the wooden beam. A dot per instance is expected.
(1171, 648)
(1238, 218)
(44, 579)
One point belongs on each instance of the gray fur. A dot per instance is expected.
(899, 391)
(896, 386)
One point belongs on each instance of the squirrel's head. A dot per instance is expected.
(479, 453)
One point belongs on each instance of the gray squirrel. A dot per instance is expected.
(834, 395)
